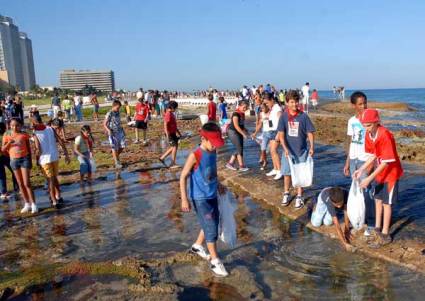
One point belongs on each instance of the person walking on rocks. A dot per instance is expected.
(201, 168)
(171, 131)
(47, 155)
(115, 132)
(237, 133)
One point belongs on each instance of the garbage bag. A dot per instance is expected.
(356, 206)
(227, 227)
(301, 172)
(203, 118)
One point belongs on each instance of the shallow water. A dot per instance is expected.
(137, 214)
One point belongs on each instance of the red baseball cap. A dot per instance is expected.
(370, 116)
(214, 137)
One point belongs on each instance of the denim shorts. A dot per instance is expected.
(24, 162)
(85, 166)
(267, 137)
(321, 215)
(117, 140)
(208, 216)
(285, 169)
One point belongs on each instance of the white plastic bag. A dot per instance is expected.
(204, 119)
(302, 172)
(92, 163)
(356, 206)
(227, 228)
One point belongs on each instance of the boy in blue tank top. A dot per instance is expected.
(201, 168)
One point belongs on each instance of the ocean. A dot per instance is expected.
(414, 97)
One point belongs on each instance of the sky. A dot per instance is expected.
(194, 44)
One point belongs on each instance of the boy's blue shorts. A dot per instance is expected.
(208, 216)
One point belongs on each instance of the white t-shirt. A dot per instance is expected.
(244, 92)
(357, 133)
(273, 117)
(48, 148)
(306, 90)
(77, 100)
(139, 94)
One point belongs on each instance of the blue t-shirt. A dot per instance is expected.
(295, 132)
(222, 109)
(203, 178)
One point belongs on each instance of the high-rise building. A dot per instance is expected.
(76, 80)
(16, 55)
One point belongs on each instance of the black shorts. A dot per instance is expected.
(141, 125)
(173, 140)
(383, 192)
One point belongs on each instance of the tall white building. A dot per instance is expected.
(16, 58)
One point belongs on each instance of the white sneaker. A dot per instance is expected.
(273, 172)
(278, 176)
(368, 231)
(243, 168)
(218, 268)
(26, 208)
(200, 251)
(118, 165)
(4, 196)
(299, 202)
(285, 199)
(34, 208)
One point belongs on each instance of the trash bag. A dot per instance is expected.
(203, 118)
(356, 206)
(224, 126)
(301, 172)
(92, 163)
(227, 227)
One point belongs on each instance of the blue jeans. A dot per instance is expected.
(367, 193)
(321, 215)
(79, 113)
(85, 166)
(285, 169)
(208, 216)
(5, 163)
(267, 136)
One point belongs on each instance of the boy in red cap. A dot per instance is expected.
(201, 167)
(381, 146)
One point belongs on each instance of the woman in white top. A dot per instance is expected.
(263, 123)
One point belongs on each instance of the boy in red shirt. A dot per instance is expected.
(381, 146)
(212, 109)
(141, 116)
(171, 132)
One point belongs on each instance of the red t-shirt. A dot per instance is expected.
(171, 122)
(212, 111)
(142, 111)
(384, 148)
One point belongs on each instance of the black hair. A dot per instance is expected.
(56, 122)
(356, 95)
(86, 128)
(221, 99)
(267, 96)
(37, 118)
(116, 103)
(17, 119)
(210, 97)
(172, 105)
(211, 127)
(336, 194)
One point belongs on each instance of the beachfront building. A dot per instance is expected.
(16, 57)
(76, 80)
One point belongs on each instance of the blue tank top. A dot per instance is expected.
(203, 179)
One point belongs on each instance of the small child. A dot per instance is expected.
(115, 131)
(222, 108)
(141, 116)
(201, 167)
(381, 146)
(83, 148)
(212, 109)
(314, 99)
(127, 111)
(295, 128)
(329, 201)
(171, 131)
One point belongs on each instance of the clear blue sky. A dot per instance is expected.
(182, 44)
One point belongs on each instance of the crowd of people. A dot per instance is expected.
(281, 120)
(372, 162)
